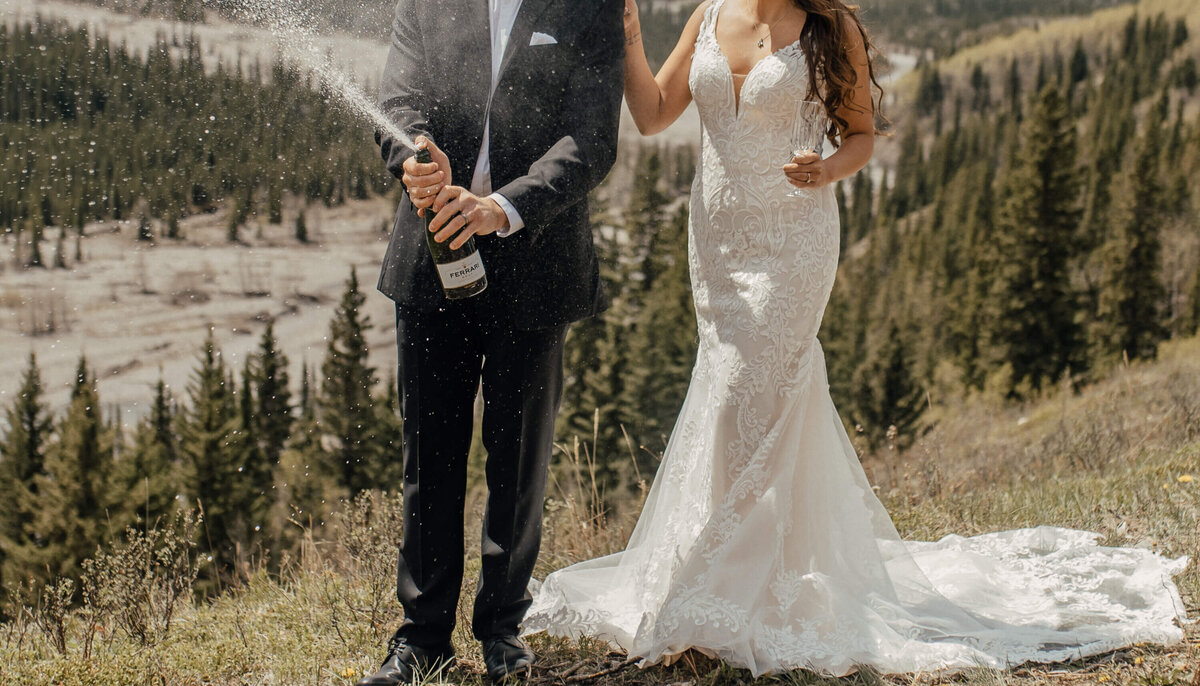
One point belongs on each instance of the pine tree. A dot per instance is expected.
(604, 411)
(243, 203)
(644, 216)
(257, 469)
(1033, 325)
(307, 480)
(173, 224)
(35, 248)
(630, 343)
(861, 211)
(1130, 317)
(981, 89)
(662, 346)
(69, 515)
(595, 366)
(1186, 75)
(307, 489)
(886, 393)
(46, 213)
(390, 469)
(1079, 64)
(346, 407)
(907, 193)
(1040, 80)
(60, 250)
(210, 446)
(1013, 88)
(301, 228)
(931, 92)
(970, 293)
(145, 481)
(1180, 34)
(22, 458)
(144, 232)
(274, 412)
(274, 201)
(307, 408)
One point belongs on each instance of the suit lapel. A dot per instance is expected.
(522, 29)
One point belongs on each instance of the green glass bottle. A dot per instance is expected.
(461, 270)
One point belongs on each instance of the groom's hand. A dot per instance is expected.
(425, 181)
(461, 212)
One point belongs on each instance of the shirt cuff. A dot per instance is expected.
(514, 218)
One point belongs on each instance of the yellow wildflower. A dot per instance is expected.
(349, 672)
(1103, 678)
(1185, 479)
(1137, 660)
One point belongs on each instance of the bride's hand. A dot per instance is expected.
(806, 171)
(633, 26)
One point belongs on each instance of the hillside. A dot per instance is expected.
(1097, 31)
(223, 166)
(1123, 460)
(945, 27)
(1030, 201)
(1056, 41)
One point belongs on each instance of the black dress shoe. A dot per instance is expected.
(507, 657)
(404, 661)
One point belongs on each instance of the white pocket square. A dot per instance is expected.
(540, 38)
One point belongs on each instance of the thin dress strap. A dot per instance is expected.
(710, 19)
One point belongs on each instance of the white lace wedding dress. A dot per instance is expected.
(761, 541)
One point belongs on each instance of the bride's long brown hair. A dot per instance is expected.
(832, 76)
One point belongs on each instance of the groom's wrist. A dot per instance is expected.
(514, 223)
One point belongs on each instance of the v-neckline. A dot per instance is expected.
(735, 92)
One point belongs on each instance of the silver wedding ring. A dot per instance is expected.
(808, 177)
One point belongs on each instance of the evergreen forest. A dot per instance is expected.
(93, 131)
(260, 457)
(1040, 227)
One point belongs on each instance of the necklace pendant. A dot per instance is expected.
(760, 42)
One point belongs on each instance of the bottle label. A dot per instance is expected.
(462, 272)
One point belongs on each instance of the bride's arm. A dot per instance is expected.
(657, 101)
(858, 139)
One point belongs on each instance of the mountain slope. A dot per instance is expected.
(325, 620)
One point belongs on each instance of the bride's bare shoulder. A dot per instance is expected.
(699, 12)
(691, 30)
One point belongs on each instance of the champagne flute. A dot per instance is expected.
(808, 132)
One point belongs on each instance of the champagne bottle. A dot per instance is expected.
(461, 270)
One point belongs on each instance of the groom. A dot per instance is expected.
(518, 102)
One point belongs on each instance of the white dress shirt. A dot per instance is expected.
(502, 14)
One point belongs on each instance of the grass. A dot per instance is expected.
(1113, 458)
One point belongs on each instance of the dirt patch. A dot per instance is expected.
(139, 311)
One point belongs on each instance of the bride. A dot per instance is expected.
(761, 541)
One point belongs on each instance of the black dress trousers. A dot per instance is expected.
(443, 355)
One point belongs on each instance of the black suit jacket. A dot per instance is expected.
(553, 138)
